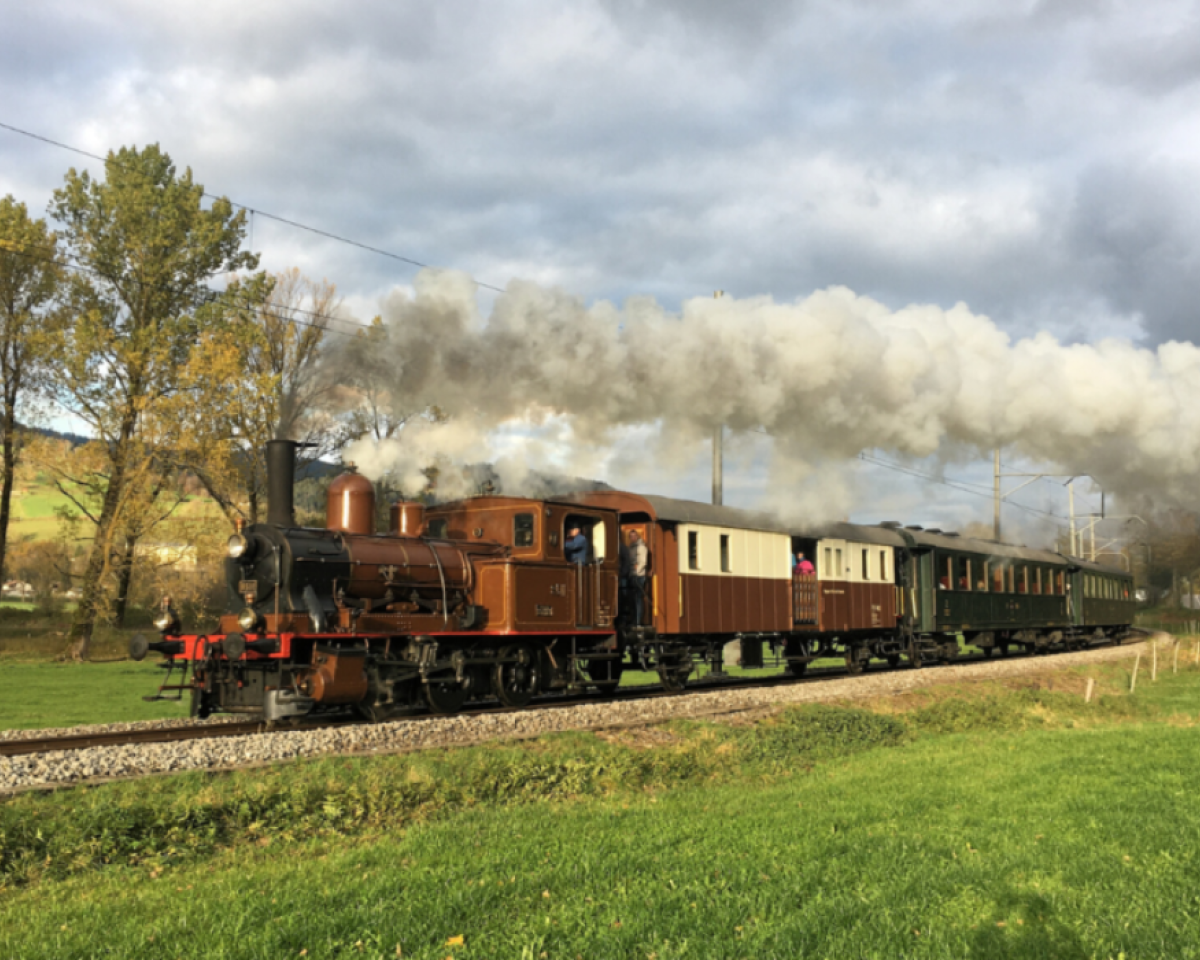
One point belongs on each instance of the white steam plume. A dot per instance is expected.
(828, 376)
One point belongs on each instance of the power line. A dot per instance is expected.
(224, 296)
(965, 486)
(255, 211)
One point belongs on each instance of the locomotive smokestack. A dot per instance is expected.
(281, 478)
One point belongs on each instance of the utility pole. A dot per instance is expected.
(718, 468)
(718, 465)
(996, 487)
(1071, 494)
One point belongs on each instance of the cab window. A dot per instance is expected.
(523, 530)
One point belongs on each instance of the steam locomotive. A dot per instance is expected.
(477, 599)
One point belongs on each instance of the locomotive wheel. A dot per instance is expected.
(605, 674)
(893, 660)
(797, 668)
(445, 696)
(516, 681)
(854, 666)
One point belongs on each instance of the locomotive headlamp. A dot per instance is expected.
(248, 619)
(237, 546)
(166, 620)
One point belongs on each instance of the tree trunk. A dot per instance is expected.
(84, 623)
(9, 453)
(124, 580)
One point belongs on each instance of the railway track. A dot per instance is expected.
(708, 683)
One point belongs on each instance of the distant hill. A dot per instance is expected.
(74, 439)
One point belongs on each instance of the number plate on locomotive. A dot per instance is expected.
(248, 587)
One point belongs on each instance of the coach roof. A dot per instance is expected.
(668, 510)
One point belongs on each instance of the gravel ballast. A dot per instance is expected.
(102, 763)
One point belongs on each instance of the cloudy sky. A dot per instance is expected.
(1037, 161)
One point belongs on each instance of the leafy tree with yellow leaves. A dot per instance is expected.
(29, 279)
(148, 243)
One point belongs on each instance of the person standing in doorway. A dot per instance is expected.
(639, 557)
(575, 549)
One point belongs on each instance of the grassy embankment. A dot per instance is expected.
(987, 819)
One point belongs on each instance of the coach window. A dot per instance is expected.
(840, 571)
(1023, 580)
(827, 566)
(693, 550)
(883, 571)
(725, 568)
(963, 582)
(946, 575)
(523, 530)
(1012, 579)
(998, 579)
(866, 564)
(982, 583)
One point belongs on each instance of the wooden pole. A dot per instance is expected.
(1133, 680)
(1087, 697)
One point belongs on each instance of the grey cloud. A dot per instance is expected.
(1161, 63)
(1134, 232)
(712, 22)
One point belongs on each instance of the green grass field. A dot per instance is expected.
(34, 506)
(34, 695)
(986, 821)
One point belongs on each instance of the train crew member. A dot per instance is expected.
(639, 557)
(575, 549)
(624, 572)
(802, 566)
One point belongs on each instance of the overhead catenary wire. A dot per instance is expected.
(254, 211)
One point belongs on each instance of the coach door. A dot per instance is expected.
(833, 603)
